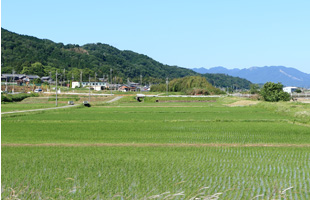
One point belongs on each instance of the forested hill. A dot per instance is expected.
(30, 55)
(20, 52)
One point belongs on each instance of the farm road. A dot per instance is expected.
(41, 109)
(115, 99)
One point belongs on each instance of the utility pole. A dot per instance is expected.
(65, 76)
(107, 82)
(95, 79)
(167, 81)
(56, 88)
(81, 78)
(115, 83)
(140, 82)
(6, 84)
(13, 80)
(89, 90)
(111, 79)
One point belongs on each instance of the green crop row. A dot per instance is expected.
(155, 125)
(142, 172)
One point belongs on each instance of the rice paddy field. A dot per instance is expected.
(197, 148)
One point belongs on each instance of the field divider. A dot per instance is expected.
(40, 109)
(150, 145)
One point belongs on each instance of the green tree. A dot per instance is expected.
(254, 88)
(35, 69)
(273, 92)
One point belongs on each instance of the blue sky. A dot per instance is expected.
(196, 33)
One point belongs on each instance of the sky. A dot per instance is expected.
(191, 34)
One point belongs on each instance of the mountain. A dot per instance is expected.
(21, 52)
(287, 76)
(31, 55)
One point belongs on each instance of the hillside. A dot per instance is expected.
(30, 55)
(287, 76)
(21, 51)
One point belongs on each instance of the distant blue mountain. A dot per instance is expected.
(287, 76)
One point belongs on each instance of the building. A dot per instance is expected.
(290, 89)
(94, 85)
(46, 79)
(18, 78)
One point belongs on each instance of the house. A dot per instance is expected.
(123, 88)
(290, 89)
(94, 85)
(46, 79)
(12, 77)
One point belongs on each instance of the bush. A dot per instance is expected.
(16, 97)
(273, 92)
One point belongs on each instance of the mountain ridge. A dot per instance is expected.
(288, 76)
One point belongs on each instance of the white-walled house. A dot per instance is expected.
(290, 89)
(96, 85)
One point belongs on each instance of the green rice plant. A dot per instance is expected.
(138, 172)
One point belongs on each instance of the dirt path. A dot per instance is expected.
(115, 99)
(153, 145)
(41, 109)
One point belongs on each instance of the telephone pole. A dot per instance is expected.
(56, 88)
(111, 79)
(13, 80)
(65, 76)
(95, 79)
(81, 78)
(167, 81)
(89, 90)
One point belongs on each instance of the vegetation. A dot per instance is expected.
(254, 89)
(192, 85)
(16, 97)
(226, 81)
(131, 150)
(273, 92)
(30, 55)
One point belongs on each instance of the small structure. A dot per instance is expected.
(290, 89)
(86, 103)
(140, 97)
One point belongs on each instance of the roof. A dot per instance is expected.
(33, 76)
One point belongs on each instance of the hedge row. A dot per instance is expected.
(16, 97)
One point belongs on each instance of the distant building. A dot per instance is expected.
(46, 79)
(290, 89)
(18, 78)
(95, 85)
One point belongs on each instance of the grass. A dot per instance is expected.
(144, 159)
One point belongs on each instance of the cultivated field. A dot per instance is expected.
(174, 149)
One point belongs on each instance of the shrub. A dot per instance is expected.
(273, 92)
